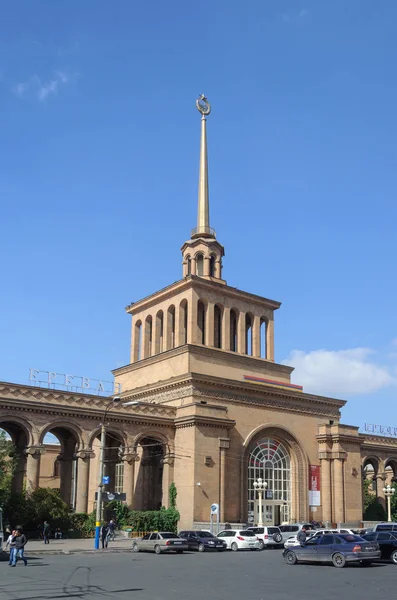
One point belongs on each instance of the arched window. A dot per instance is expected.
(369, 474)
(270, 461)
(212, 265)
(201, 322)
(171, 328)
(248, 334)
(263, 339)
(233, 331)
(217, 326)
(189, 265)
(159, 332)
(200, 265)
(57, 469)
(137, 355)
(183, 323)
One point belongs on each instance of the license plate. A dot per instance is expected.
(253, 544)
(177, 542)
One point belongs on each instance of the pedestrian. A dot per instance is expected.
(20, 543)
(112, 532)
(105, 535)
(58, 534)
(301, 537)
(40, 530)
(46, 532)
(11, 543)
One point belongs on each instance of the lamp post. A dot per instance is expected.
(388, 491)
(100, 478)
(260, 487)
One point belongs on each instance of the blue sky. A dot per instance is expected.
(98, 178)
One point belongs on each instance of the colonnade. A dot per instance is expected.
(203, 322)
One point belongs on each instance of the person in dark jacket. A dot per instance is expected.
(105, 535)
(301, 537)
(20, 543)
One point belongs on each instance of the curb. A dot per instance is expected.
(75, 551)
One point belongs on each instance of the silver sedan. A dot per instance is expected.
(160, 541)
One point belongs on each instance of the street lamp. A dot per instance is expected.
(388, 491)
(260, 487)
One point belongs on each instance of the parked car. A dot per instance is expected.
(386, 527)
(338, 549)
(267, 536)
(202, 540)
(288, 531)
(387, 542)
(293, 541)
(158, 542)
(237, 539)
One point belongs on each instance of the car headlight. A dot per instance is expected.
(212, 543)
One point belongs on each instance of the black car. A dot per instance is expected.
(387, 542)
(202, 540)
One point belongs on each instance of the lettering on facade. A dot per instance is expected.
(380, 429)
(314, 485)
(73, 383)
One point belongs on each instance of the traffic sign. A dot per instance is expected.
(105, 480)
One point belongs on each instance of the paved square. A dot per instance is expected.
(191, 576)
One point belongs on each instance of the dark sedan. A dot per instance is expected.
(338, 549)
(387, 543)
(202, 540)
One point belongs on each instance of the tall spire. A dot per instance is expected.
(203, 210)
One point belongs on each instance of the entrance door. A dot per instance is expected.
(271, 514)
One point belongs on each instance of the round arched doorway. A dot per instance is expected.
(270, 460)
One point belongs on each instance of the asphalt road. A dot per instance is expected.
(191, 576)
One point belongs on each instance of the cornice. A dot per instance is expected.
(197, 420)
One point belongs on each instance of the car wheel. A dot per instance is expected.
(234, 547)
(365, 563)
(290, 558)
(135, 548)
(157, 549)
(278, 538)
(393, 557)
(338, 560)
(201, 548)
(261, 545)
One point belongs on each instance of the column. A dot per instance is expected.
(209, 325)
(129, 460)
(66, 468)
(193, 266)
(256, 337)
(177, 327)
(226, 328)
(192, 321)
(206, 266)
(83, 470)
(33, 454)
(326, 491)
(168, 478)
(339, 509)
(218, 268)
(270, 339)
(156, 335)
(224, 444)
(241, 334)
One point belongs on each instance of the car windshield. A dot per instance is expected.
(256, 529)
(247, 533)
(350, 538)
(205, 534)
(169, 536)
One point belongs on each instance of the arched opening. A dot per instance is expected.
(113, 465)
(171, 328)
(212, 265)
(183, 322)
(263, 338)
(188, 265)
(159, 341)
(217, 326)
(233, 331)
(370, 473)
(391, 471)
(148, 337)
(149, 476)
(201, 322)
(200, 265)
(137, 341)
(14, 440)
(248, 334)
(269, 460)
(58, 465)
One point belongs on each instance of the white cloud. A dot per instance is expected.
(41, 89)
(339, 372)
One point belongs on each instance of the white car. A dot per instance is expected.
(239, 539)
(292, 541)
(267, 536)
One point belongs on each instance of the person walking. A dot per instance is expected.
(11, 544)
(46, 532)
(302, 536)
(105, 535)
(112, 528)
(20, 543)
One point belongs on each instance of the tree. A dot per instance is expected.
(172, 493)
(373, 510)
(8, 466)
